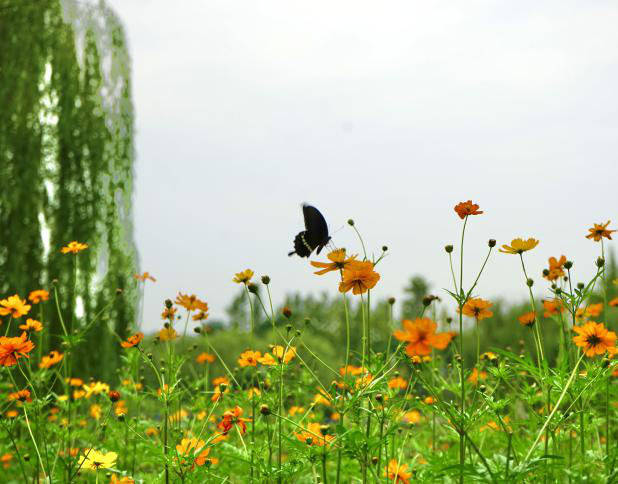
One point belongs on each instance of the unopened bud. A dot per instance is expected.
(529, 282)
(265, 280)
(448, 249)
(491, 243)
(568, 264)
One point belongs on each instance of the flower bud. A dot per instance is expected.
(529, 282)
(384, 248)
(265, 280)
(545, 272)
(558, 291)
(265, 410)
(114, 395)
(568, 264)
(448, 248)
(252, 288)
(391, 300)
(197, 329)
(374, 460)
(379, 397)
(580, 286)
(600, 262)
(351, 222)
(287, 312)
(491, 243)
(168, 303)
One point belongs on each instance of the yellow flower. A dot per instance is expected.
(15, 306)
(144, 277)
(94, 460)
(31, 325)
(249, 358)
(594, 338)
(167, 334)
(519, 246)
(96, 388)
(339, 262)
(95, 411)
(191, 303)
(74, 247)
(50, 360)
(243, 277)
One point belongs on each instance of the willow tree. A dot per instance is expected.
(66, 166)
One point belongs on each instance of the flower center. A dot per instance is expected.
(593, 340)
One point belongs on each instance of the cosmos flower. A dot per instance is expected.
(191, 303)
(552, 307)
(397, 472)
(527, 319)
(233, 418)
(314, 434)
(477, 308)
(94, 460)
(519, 246)
(14, 306)
(243, 277)
(50, 360)
(12, 349)
(338, 262)
(167, 334)
(74, 247)
(421, 336)
(556, 268)
(31, 325)
(249, 358)
(144, 277)
(464, 209)
(133, 340)
(205, 358)
(37, 296)
(359, 277)
(598, 231)
(594, 338)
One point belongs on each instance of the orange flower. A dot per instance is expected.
(12, 349)
(205, 358)
(6, 460)
(475, 376)
(314, 434)
(398, 472)
(464, 209)
(132, 340)
(599, 231)
(38, 296)
(477, 308)
(15, 306)
(249, 358)
(556, 268)
(168, 313)
(352, 370)
(20, 396)
(519, 246)
(167, 334)
(412, 417)
(429, 400)
(339, 262)
(191, 303)
(243, 277)
(200, 316)
(144, 277)
(421, 336)
(527, 319)
(51, 359)
(31, 325)
(398, 383)
(231, 418)
(614, 302)
(221, 380)
(552, 308)
(360, 277)
(74, 247)
(594, 338)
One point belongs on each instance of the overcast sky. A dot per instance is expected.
(385, 112)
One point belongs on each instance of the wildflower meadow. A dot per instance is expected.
(427, 398)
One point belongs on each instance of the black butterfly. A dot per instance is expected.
(315, 235)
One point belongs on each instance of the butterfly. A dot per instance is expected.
(315, 234)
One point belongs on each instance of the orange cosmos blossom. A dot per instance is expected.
(73, 247)
(338, 262)
(398, 383)
(249, 358)
(12, 349)
(314, 434)
(38, 296)
(31, 325)
(598, 231)
(397, 472)
(205, 358)
(527, 319)
(191, 303)
(552, 307)
(556, 268)
(50, 360)
(132, 340)
(14, 306)
(464, 209)
(477, 375)
(477, 308)
(144, 277)
(243, 277)
(590, 311)
(360, 277)
(614, 302)
(421, 336)
(279, 354)
(233, 417)
(20, 396)
(594, 338)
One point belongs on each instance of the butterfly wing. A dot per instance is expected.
(316, 234)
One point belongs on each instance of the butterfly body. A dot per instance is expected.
(315, 235)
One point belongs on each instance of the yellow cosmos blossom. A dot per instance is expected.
(519, 246)
(338, 262)
(14, 306)
(243, 277)
(598, 231)
(93, 460)
(73, 247)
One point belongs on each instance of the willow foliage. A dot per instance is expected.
(66, 165)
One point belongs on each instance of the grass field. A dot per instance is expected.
(184, 409)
